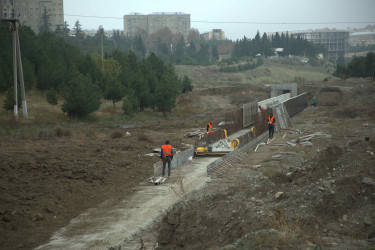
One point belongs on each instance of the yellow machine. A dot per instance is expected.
(203, 151)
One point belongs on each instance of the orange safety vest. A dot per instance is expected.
(271, 120)
(209, 125)
(167, 150)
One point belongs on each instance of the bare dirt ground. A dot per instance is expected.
(53, 171)
(284, 197)
(328, 189)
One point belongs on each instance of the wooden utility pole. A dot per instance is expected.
(17, 57)
(102, 34)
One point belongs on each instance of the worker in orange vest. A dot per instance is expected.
(261, 109)
(209, 128)
(166, 155)
(271, 125)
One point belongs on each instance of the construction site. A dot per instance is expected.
(93, 186)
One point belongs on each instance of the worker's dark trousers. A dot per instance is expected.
(271, 128)
(165, 161)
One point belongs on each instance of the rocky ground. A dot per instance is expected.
(319, 196)
(284, 197)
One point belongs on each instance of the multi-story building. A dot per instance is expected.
(177, 22)
(30, 12)
(336, 42)
(215, 34)
(135, 22)
(362, 38)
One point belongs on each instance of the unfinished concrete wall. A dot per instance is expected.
(249, 111)
(296, 104)
(178, 159)
(268, 103)
(282, 88)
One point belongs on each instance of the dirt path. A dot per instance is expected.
(114, 221)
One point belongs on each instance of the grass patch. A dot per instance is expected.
(61, 132)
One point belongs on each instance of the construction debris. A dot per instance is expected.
(196, 133)
(157, 180)
(269, 141)
(306, 144)
(314, 136)
(260, 144)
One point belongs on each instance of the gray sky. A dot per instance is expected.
(237, 18)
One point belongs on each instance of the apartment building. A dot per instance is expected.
(30, 12)
(177, 22)
(215, 34)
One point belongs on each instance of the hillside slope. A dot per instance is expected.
(272, 71)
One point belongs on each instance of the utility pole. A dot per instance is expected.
(17, 57)
(102, 34)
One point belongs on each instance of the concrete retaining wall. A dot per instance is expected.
(296, 104)
(268, 103)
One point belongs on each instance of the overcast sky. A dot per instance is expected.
(237, 18)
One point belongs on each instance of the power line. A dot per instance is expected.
(237, 22)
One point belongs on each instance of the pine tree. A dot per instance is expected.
(78, 30)
(215, 53)
(52, 97)
(46, 25)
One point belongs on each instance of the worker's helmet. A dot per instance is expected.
(167, 141)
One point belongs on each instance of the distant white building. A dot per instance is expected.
(177, 22)
(215, 34)
(362, 38)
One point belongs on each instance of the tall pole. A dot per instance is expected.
(17, 57)
(102, 31)
(22, 82)
(14, 35)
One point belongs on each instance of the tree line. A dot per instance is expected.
(172, 48)
(292, 45)
(53, 65)
(363, 66)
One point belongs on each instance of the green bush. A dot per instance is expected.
(9, 100)
(127, 107)
(81, 96)
(52, 97)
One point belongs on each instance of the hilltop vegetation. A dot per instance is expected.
(50, 63)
